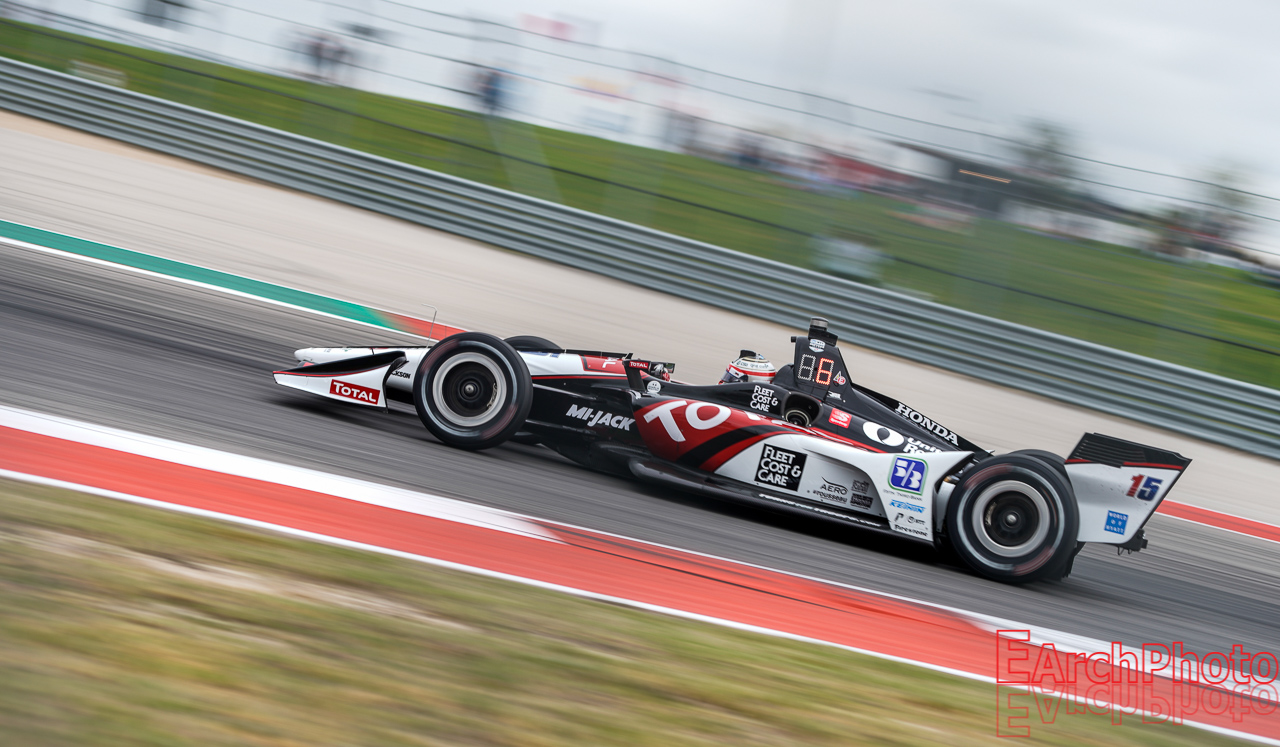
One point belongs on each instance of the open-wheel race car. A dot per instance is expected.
(809, 439)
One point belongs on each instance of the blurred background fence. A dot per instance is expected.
(1241, 415)
(966, 215)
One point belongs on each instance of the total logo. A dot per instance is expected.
(600, 417)
(908, 475)
(354, 391)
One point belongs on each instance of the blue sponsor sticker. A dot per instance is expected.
(907, 506)
(1116, 522)
(908, 475)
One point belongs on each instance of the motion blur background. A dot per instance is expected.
(1101, 172)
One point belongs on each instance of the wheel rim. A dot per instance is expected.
(469, 389)
(1011, 518)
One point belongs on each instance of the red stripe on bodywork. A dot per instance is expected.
(717, 461)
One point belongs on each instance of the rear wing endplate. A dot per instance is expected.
(1119, 484)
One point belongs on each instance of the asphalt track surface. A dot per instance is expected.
(108, 346)
(102, 190)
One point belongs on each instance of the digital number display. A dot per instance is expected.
(806, 367)
(826, 367)
(815, 369)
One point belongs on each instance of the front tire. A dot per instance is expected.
(472, 391)
(1013, 518)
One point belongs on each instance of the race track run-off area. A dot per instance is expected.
(145, 376)
(433, 529)
(171, 474)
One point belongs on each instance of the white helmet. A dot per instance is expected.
(749, 366)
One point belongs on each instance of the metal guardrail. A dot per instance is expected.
(1207, 406)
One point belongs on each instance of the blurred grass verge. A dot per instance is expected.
(126, 625)
(1218, 319)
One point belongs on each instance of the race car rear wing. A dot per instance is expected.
(1118, 485)
(359, 380)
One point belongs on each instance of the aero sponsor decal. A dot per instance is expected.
(354, 391)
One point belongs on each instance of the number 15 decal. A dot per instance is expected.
(1145, 488)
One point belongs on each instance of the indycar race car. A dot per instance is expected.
(810, 440)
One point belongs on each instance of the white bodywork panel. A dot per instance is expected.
(899, 487)
(361, 388)
(400, 379)
(1116, 501)
(540, 364)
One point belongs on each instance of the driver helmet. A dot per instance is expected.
(749, 366)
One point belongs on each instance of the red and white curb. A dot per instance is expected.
(450, 533)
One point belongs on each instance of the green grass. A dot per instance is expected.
(1178, 306)
(131, 626)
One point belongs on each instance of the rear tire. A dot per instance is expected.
(472, 391)
(530, 342)
(1048, 457)
(1013, 518)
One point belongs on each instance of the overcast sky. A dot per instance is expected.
(1167, 85)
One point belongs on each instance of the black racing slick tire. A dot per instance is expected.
(1049, 458)
(530, 342)
(472, 391)
(1013, 518)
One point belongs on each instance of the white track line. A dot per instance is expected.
(425, 504)
(16, 244)
(722, 622)
(448, 508)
